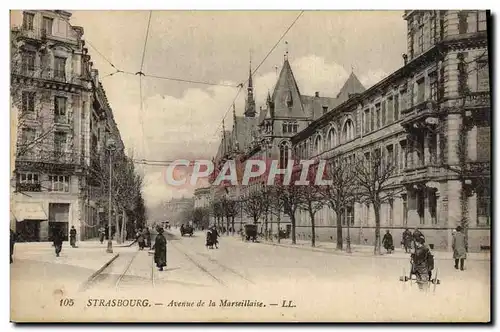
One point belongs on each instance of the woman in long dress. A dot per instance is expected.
(160, 247)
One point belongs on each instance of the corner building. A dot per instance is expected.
(432, 118)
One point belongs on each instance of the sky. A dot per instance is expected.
(183, 120)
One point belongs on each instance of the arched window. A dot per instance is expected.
(318, 145)
(348, 131)
(332, 138)
(284, 154)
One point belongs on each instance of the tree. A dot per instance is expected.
(229, 209)
(217, 211)
(340, 194)
(375, 185)
(310, 200)
(276, 204)
(253, 206)
(289, 201)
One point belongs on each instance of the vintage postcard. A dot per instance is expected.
(250, 166)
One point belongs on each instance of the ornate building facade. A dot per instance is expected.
(61, 121)
(431, 117)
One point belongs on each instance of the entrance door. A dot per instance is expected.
(58, 219)
(28, 231)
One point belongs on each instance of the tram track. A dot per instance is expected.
(214, 262)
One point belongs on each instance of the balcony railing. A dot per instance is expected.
(45, 74)
(50, 156)
(420, 173)
(478, 99)
(33, 187)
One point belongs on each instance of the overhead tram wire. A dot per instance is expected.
(140, 73)
(181, 79)
(260, 64)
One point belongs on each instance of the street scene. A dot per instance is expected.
(258, 176)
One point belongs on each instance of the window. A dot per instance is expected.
(420, 206)
(295, 127)
(325, 109)
(433, 83)
(433, 30)
(383, 114)
(285, 128)
(59, 183)
(377, 116)
(396, 107)
(433, 206)
(420, 38)
(59, 144)
(348, 216)
(28, 62)
(404, 201)
(332, 138)
(28, 182)
(28, 135)
(481, 21)
(483, 206)
(390, 156)
(390, 212)
(284, 154)
(60, 67)
(318, 144)
(483, 145)
(403, 154)
(348, 132)
(47, 26)
(390, 110)
(28, 21)
(419, 91)
(289, 99)
(366, 126)
(84, 109)
(476, 21)
(60, 109)
(290, 127)
(28, 102)
(483, 75)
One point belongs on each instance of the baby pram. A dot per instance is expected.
(412, 276)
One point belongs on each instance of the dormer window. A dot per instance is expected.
(289, 99)
(325, 109)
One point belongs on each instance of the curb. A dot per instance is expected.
(343, 253)
(96, 273)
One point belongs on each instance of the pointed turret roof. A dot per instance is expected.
(286, 95)
(351, 86)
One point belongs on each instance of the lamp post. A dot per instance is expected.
(110, 146)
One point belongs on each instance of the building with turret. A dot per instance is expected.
(431, 118)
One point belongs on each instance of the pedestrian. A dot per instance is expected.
(417, 234)
(72, 237)
(12, 243)
(147, 237)
(459, 248)
(58, 241)
(406, 240)
(420, 260)
(102, 233)
(140, 239)
(388, 242)
(160, 248)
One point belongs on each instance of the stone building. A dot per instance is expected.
(431, 118)
(58, 108)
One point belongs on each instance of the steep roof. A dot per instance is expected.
(224, 145)
(351, 86)
(313, 105)
(286, 90)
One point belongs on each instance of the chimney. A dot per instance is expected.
(316, 94)
(405, 58)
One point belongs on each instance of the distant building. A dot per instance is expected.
(175, 208)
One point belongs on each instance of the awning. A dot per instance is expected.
(29, 211)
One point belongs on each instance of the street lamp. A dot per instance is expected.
(110, 146)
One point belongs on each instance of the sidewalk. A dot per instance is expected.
(93, 258)
(360, 250)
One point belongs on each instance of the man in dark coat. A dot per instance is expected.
(58, 241)
(160, 247)
(12, 243)
(420, 260)
(72, 237)
(406, 240)
(388, 242)
(417, 235)
(459, 248)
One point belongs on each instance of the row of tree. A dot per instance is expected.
(367, 180)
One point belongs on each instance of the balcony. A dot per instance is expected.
(478, 100)
(421, 115)
(46, 74)
(50, 157)
(33, 187)
(421, 174)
